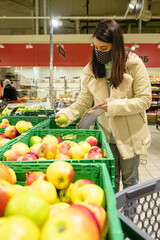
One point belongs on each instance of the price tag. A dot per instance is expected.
(3, 105)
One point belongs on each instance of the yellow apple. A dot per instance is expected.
(46, 189)
(60, 173)
(57, 207)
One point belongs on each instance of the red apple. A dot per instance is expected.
(60, 173)
(71, 223)
(64, 145)
(77, 185)
(6, 192)
(11, 132)
(100, 214)
(89, 211)
(59, 140)
(31, 177)
(4, 125)
(47, 150)
(27, 157)
(2, 136)
(95, 155)
(5, 173)
(61, 156)
(11, 155)
(22, 148)
(95, 149)
(13, 175)
(32, 154)
(64, 151)
(92, 141)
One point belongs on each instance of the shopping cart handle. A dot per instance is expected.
(141, 189)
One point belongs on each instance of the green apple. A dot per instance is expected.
(62, 118)
(18, 227)
(34, 139)
(30, 204)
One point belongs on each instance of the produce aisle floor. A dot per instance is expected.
(152, 168)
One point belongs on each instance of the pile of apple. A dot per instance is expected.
(12, 131)
(50, 206)
(51, 147)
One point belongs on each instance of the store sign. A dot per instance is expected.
(74, 55)
(144, 58)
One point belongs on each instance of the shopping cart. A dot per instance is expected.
(139, 210)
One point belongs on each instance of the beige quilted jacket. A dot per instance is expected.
(126, 116)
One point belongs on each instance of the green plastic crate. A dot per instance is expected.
(97, 173)
(52, 125)
(80, 135)
(36, 121)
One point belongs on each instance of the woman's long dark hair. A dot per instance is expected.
(109, 31)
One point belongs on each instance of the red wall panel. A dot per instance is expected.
(75, 55)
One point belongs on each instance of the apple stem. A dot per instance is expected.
(61, 228)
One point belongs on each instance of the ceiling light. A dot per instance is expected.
(159, 45)
(56, 22)
(132, 4)
(28, 46)
(135, 46)
(2, 46)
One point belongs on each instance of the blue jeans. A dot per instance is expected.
(128, 169)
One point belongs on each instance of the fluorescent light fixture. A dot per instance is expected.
(2, 46)
(135, 46)
(28, 46)
(56, 22)
(132, 4)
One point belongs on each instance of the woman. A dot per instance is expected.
(118, 81)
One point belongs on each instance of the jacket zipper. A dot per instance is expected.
(130, 136)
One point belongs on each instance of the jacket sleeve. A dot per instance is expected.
(82, 103)
(142, 98)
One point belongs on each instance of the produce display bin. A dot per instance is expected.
(50, 113)
(14, 119)
(139, 210)
(77, 136)
(97, 173)
(36, 121)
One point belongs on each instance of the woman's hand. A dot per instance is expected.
(60, 119)
(102, 105)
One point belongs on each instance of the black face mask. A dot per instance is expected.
(103, 57)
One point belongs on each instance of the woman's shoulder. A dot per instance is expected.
(132, 59)
(88, 69)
